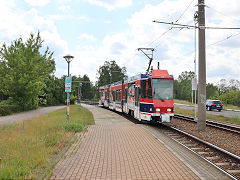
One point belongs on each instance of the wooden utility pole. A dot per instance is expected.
(201, 122)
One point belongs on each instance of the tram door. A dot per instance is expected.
(137, 102)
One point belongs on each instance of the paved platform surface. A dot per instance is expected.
(115, 148)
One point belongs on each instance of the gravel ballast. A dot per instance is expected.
(223, 139)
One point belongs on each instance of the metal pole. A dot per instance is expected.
(201, 123)
(68, 105)
(195, 73)
(68, 68)
(68, 97)
(80, 92)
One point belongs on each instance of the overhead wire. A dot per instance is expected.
(181, 15)
(223, 13)
(169, 29)
(227, 38)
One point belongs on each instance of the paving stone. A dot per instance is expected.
(115, 148)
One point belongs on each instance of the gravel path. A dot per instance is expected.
(226, 140)
(27, 115)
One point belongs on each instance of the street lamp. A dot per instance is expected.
(68, 83)
(68, 58)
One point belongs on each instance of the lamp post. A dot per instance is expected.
(68, 83)
(80, 92)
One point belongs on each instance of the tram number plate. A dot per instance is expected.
(165, 118)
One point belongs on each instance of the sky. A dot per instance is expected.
(94, 31)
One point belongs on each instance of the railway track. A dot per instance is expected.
(215, 124)
(223, 160)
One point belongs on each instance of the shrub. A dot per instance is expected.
(9, 109)
(73, 126)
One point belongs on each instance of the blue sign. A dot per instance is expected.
(68, 84)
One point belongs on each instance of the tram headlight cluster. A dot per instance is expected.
(169, 110)
(158, 109)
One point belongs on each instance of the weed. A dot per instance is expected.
(232, 120)
(25, 156)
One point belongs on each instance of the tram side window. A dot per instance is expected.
(149, 88)
(126, 93)
(120, 97)
(143, 88)
(113, 92)
(117, 95)
(111, 95)
(137, 96)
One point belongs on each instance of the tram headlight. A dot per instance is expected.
(169, 110)
(158, 109)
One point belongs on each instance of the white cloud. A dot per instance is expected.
(37, 2)
(69, 16)
(175, 49)
(107, 22)
(64, 8)
(111, 4)
(16, 23)
(87, 37)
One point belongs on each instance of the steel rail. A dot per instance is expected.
(231, 155)
(223, 126)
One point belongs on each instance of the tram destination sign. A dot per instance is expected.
(68, 84)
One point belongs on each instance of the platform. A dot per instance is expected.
(115, 148)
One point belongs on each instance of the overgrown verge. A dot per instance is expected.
(25, 155)
(232, 120)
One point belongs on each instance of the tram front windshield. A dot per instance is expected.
(162, 88)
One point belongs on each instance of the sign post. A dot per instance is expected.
(68, 87)
(194, 88)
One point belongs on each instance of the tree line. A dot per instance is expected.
(27, 77)
(226, 91)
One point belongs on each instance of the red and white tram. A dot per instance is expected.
(146, 97)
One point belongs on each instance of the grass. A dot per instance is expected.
(225, 106)
(233, 120)
(25, 156)
(182, 102)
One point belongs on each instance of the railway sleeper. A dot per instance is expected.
(212, 157)
(223, 164)
(236, 172)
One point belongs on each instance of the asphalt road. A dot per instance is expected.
(27, 115)
(225, 113)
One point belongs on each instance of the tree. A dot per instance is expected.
(53, 92)
(110, 72)
(183, 86)
(87, 88)
(211, 91)
(23, 69)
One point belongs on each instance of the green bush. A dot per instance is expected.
(72, 99)
(8, 109)
(73, 126)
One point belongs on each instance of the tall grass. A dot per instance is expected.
(232, 120)
(25, 155)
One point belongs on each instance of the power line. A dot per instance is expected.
(184, 11)
(223, 14)
(227, 38)
(171, 26)
(193, 26)
(165, 32)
